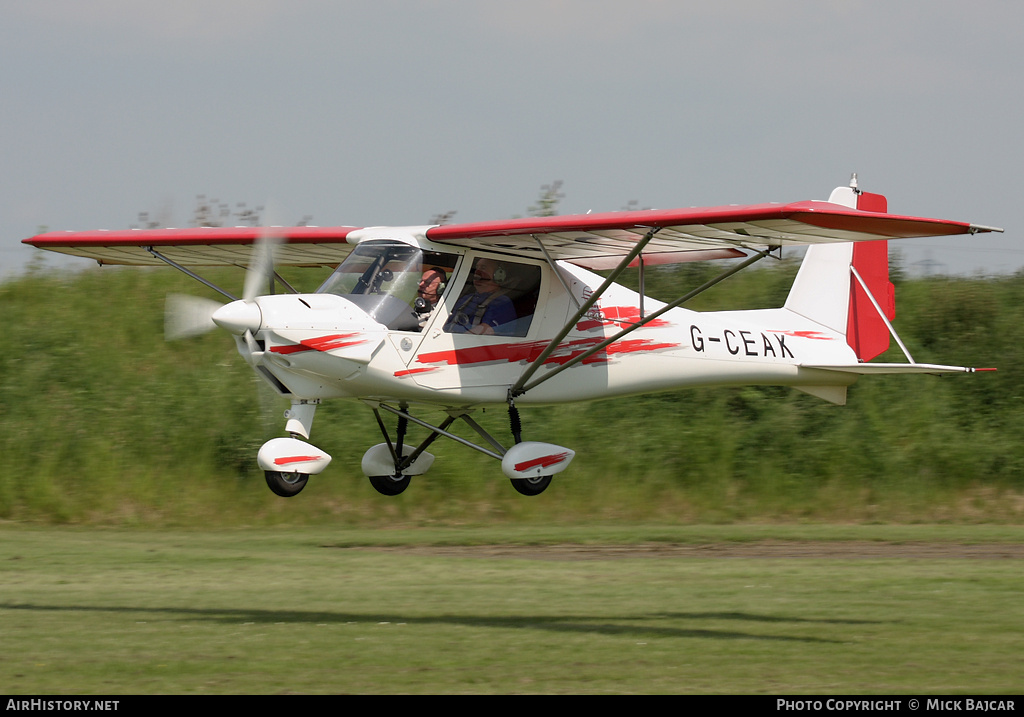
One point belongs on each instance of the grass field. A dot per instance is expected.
(587, 609)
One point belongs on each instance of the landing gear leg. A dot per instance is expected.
(390, 466)
(525, 486)
(515, 425)
(394, 484)
(300, 418)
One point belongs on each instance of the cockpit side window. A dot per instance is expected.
(500, 299)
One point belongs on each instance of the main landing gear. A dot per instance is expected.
(528, 465)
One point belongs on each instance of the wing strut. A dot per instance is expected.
(189, 272)
(558, 273)
(522, 387)
(517, 389)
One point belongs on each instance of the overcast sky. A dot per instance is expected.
(388, 112)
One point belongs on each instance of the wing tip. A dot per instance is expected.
(982, 229)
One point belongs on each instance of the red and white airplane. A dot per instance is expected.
(454, 318)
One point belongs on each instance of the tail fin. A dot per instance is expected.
(827, 292)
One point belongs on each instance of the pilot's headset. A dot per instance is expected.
(421, 305)
(500, 275)
(434, 271)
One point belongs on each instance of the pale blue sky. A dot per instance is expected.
(388, 112)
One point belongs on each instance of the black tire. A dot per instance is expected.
(390, 485)
(531, 486)
(286, 484)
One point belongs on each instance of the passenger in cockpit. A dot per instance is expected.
(487, 310)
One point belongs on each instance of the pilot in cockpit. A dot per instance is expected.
(428, 293)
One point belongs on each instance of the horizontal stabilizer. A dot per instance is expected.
(866, 369)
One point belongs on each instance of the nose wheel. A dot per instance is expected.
(303, 459)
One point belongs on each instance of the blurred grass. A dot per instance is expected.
(315, 611)
(103, 422)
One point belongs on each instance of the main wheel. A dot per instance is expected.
(390, 485)
(286, 484)
(531, 486)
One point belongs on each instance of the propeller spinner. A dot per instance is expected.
(238, 317)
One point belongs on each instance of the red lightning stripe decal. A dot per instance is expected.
(621, 316)
(816, 335)
(543, 462)
(411, 371)
(321, 343)
(294, 459)
(525, 351)
(627, 347)
(531, 350)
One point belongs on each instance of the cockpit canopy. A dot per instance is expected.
(383, 279)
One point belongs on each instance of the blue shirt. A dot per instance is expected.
(498, 313)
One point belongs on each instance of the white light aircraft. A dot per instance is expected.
(455, 318)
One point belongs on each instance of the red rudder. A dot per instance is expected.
(866, 332)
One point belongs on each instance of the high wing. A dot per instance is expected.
(594, 241)
(599, 241)
(203, 246)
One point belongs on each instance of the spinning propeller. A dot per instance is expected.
(187, 316)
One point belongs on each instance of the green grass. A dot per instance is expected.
(318, 610)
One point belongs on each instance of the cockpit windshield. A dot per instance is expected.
(397, 284)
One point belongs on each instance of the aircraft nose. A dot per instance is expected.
(239, 317)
